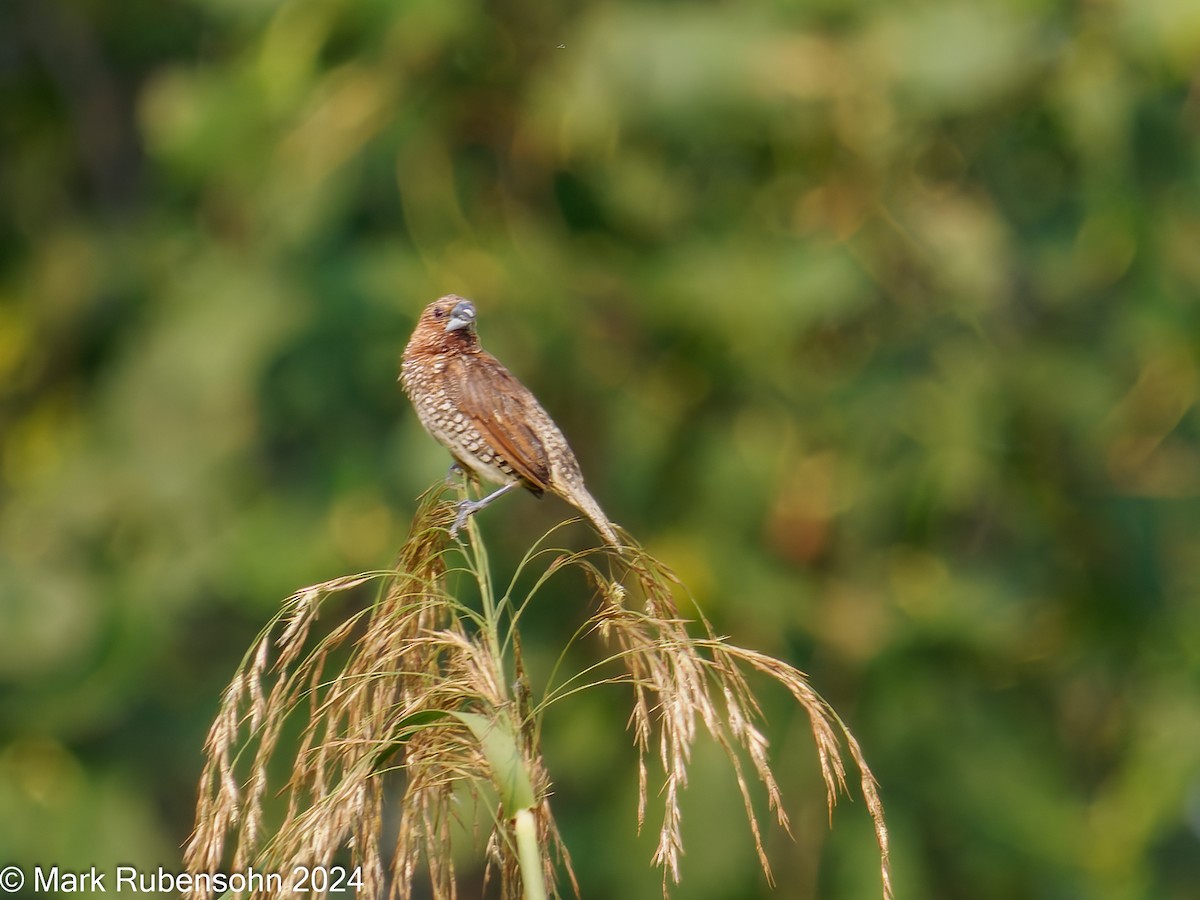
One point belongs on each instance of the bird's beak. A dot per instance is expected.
(462, 316)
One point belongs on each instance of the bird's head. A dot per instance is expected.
(447, 323)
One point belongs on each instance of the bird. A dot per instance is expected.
(493, 426)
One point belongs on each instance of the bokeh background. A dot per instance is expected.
(877, 321)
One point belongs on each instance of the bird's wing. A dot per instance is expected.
(505, 413)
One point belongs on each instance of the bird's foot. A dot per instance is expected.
(466, 509)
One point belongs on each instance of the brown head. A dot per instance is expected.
(446, 325)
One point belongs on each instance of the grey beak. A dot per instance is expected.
(462, 316)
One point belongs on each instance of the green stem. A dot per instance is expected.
(483, 575)
(529, 855)
(503, 748)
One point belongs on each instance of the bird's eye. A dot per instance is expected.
(438, 312)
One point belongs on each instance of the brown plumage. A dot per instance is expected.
(490, 422)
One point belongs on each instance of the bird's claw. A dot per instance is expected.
(466, 509)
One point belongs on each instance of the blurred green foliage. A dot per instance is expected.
(878, 321)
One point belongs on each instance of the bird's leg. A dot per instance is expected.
(468, 508)
(453, 472)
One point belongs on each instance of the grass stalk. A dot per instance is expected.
(529, 854)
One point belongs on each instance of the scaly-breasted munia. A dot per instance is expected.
(490, 422)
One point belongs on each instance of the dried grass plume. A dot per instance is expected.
(371, 742)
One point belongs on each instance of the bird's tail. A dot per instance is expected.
(587, 505)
